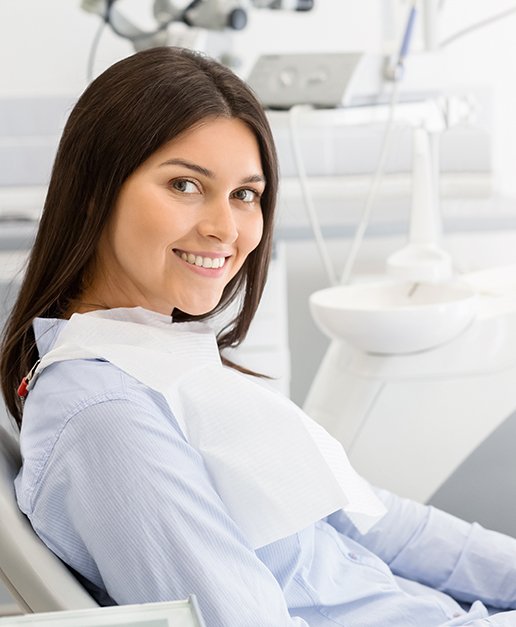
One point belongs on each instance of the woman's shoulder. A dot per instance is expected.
(65, 387)
(66, 391)
(68, 395)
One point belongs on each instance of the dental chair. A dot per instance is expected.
(39, 582)
(35, 577)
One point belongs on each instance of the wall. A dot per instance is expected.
(47, 41)
(45, 46)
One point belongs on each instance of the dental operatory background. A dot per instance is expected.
(390, 310)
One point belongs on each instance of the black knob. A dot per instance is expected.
(305, 5)
(237, 19)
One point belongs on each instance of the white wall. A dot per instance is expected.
(486, 57)
(44, 45)
(47, 41)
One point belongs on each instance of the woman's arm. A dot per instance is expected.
(124, 493)
(428, 545)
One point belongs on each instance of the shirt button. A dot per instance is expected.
(456, 614)
(353, 556)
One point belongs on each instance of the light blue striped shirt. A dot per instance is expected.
(112, 487)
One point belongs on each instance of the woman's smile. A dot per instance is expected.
(202, 260)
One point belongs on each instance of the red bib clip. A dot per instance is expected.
(23, 388)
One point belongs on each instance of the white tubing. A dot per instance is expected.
(307, 198)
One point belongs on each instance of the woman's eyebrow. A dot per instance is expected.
(254, 178)
(191, 166)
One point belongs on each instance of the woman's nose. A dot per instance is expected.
(219, 222)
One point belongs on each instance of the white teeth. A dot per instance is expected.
(202, 262)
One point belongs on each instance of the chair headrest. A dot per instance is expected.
(9, 444)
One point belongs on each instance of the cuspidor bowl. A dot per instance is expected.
(394, 317)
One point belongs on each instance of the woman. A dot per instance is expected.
(150, 469)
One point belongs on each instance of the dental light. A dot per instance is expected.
(215, 15)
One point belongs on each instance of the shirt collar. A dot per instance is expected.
(46, 331)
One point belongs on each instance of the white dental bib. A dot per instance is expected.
(275, 469)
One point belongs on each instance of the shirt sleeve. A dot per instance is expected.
(124, 486)
(433, 547)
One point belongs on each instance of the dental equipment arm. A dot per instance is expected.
(216, 15)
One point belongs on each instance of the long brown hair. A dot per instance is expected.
(122, 118)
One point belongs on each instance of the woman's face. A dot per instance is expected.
(184, 222)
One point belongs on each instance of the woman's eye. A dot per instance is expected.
(185, 186)
(246, 195)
